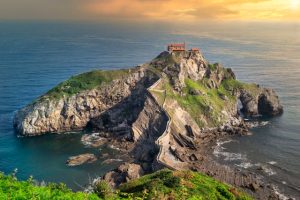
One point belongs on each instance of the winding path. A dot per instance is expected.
(164, 139)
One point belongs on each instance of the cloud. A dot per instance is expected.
(207, 12)
(157, 9)
(160, 10)
(175, 9)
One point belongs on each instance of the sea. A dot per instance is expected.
(37, 55)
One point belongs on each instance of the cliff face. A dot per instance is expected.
(164, 112)
(178, 95)
(265, 102)
(207, 93)
(70, 113)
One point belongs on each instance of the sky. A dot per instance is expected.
(150, 10)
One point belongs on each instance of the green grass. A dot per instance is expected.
(85, 81)
(166, 184)
(208, 105)
(11, 188)
(167, 60)
(211, 102)
(230, 85)
(212, 67)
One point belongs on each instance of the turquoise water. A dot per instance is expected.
(35, 56)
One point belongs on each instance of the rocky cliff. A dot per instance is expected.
(163, 106)
(207, 92)
(60, 110)
(164, 113)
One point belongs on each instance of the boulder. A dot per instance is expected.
(254, 186)
(123, 174)
(81, 159)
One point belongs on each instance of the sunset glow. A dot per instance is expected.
(165, 10)
(295, 4)
(197, 10)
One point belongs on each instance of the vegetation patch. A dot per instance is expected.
(213, 67)
(166, 60)
(205, 104)
(85, 81)
(11, 188)
(166, 184)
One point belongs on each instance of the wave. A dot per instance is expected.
(268, 171)
(114, 147)
(255, 124)
(272, 162)
(243, 162)
(227, 156)
(280, 195)
(245, 165)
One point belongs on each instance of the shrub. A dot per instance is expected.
(103, 190)
(11, 188)
(225, 192)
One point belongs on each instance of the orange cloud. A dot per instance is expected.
(192, 9)
(161, 10)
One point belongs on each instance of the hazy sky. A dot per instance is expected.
(154, 10)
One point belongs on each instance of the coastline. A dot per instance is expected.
(269, 171)
(253, 183)
(266, 59)
(154, 133)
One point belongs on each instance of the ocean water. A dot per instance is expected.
(35, 56)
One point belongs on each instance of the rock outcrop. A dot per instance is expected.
(163, 113)
(265, 102)
(73, 113)
(124, 105)
(123, 174)
(81, 159)
(175, 99)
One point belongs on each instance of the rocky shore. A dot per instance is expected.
(165, 113)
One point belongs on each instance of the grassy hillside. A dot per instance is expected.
(203, 102)
(164, 184)
(11, 188)
(85, 81)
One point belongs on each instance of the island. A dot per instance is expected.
(166, 113)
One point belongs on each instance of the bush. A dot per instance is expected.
(225, 192)
(103, 190)
(11, 188)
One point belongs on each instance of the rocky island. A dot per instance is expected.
(164, 114)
